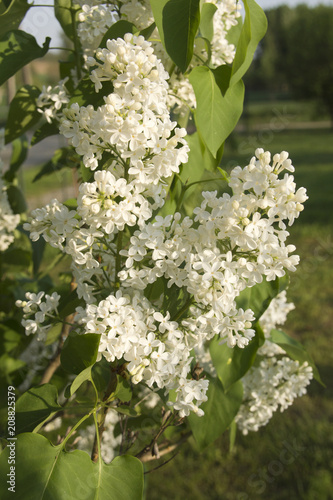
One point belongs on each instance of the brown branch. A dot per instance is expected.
(55, 361)
(151, 446)
(148, 457)
(162, 464)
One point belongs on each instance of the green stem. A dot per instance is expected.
(76, 426)
(199, 182)
(98, 440)
(55, 261)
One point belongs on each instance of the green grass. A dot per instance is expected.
(296, 111)
(254, 470)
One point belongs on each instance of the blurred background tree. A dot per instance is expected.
(296, 54)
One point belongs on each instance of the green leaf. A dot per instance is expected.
(85, 93)
(53, 333)
(79, 379)
(157, 7)
(147, 32)
(62, 158)
(216, 115)
(11, 18)
(71, 203)
(16, 199)
(201, 168)
(23, 112)
(9, 365)
(206, 20)
(103, 377)
(34, 406)
(63, 12)
(46, 472)
(123, 391)
(9, 338)
(19, 154)
(181, 20)
(38, 248)
(231, 364)
(295, 350)
(222, 76)
(44, 131)
(253, 30)
(126, 410)
(17, 257)
(118, 30)
(17, 49)
(220, 410)
(258, 297)
(86, 174)
(68, 304)
(79, 352)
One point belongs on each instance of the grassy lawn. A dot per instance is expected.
(292, 457)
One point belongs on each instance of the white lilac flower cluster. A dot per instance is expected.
(233, 241)
(153, 345)
(8, 220)
(97, 17)
(278, 380)
(134, 123)
(225, 17)
(52, 100)
(94, 21)
(42, 307)
(273, 385)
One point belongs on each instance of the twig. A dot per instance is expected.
(148, 457)
(55, 361)
(150, 447)
(162, 464)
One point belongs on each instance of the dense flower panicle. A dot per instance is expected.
(134, 123)
(117, 243)
(271, 386)
(154, 347)
(235, 244)
(276, 382)
(96, 18)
